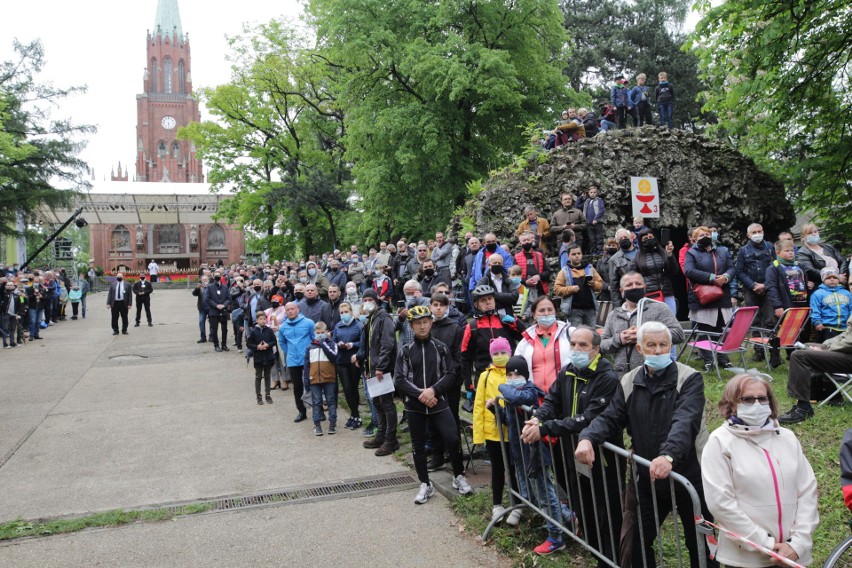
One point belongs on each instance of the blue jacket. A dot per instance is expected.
(783, 281)
(831, 306)
(294, 336)
(527, 395)
(752, 262)
(618, 96)
(347, 334)
(635, 95)
(699, 268)
(477, 271)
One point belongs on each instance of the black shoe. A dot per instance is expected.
(115, 332)
(757, 357)
(708, 367)
(240, 347)
(150, 324)
(136, 324)
(435, 463)
(796, 415)
(300, 418)
(123, 332)
(374, 443)
(726, 365)
(268, 399)
(225, 348)
(218, 349)
(259, 400)
(202, 340)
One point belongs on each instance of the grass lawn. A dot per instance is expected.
(820, 437)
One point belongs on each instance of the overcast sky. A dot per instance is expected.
(101, 44)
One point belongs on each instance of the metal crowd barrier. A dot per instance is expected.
(594, 497)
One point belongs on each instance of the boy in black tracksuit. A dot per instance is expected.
(423, 376)
(576, 397)
(261, 340)
(786, 287)
(448, 331)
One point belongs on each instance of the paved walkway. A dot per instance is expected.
(90, 422)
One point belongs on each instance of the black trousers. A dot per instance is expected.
(262, 372)
(119, 309)
(238, 337)
(498, 472)
(386, 413)
(295, 374)
(453, 400)
(349, 377)
(804, 363)
(643, 110)
(140, 303)
(419, 425)
(215, 323)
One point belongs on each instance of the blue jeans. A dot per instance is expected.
(35, 317)
(373, 416)
(540, 490)
(202, 320)
(607, 125)
(666, 110)
(329, 390)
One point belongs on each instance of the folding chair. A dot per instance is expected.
(730, 340)
(785, 333)
(843, 384)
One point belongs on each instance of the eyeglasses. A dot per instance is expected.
(750, 400)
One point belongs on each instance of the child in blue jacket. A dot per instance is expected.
(830, 306)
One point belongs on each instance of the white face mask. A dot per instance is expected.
(755, 414)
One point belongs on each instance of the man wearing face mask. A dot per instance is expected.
(752, 261)
(317, 278)
(498, 279)
(142, 290)
(535, 272)
(538, 226)
(413, 297)
(430, 276)
(253, 301)
(336, 276)
(313, 308)
(661, 403)
(119, 300)
(480, 265)
(582, 390)
(294, 336)
(218, 299)
(620, 329)
(621, 262)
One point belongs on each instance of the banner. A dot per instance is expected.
(645, 197)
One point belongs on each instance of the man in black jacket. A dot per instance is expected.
(662, 405)
(424, 377)
(142, 290)
(218, 299)
(119, 300)
(582, 390)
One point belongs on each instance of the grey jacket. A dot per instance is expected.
(619, 265)
(626, 357)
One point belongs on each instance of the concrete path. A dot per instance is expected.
(90, 422)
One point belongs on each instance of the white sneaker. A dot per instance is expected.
(460, 483)
(514, 518)
(426, 491)
(497, 512)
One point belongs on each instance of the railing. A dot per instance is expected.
(589, 507)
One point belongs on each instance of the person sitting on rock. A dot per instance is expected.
(590, 122)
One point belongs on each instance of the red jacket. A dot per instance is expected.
(476, 342)
(538, 260)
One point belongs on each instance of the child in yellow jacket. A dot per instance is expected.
(484, 423)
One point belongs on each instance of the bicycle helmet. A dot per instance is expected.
(481, 292)
(419, 312)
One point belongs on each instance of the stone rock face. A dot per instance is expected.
(700, 180)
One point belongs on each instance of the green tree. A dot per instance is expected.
(38, 155)
(612, 38)
(276, 141)
(435, 94)
(779, 82)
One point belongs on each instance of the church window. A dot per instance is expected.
(181, 77)
(167, 75)
(216, 237)
(161, 149)
(175, 150)
(154, 71)
(120, 238)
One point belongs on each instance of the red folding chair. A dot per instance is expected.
(730, 340)
(784, 335)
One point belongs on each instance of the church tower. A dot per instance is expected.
(166, 104)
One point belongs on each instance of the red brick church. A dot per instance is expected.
(165, 167)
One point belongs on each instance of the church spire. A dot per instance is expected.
(168, 19)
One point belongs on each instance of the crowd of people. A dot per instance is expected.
(635, 102)
(475, 325)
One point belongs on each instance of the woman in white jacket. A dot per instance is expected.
(757, 482)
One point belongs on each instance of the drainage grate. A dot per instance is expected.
(344, 489)
(131, 357)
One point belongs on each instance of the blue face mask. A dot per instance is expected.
(580, 359)
(517, 383)
(362, 319)
(321, 336)
(715, 236)
(516, 280)
(546, 321)
(658, 362)
(346, 318)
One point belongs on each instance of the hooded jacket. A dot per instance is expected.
(831, 306)
(294, 336)
(758, 484)
(450, 333)
(423, 364)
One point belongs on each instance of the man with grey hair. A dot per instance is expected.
(622, 262)
(413, 293)
(752, 261)
(661, 403)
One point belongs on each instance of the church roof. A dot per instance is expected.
(168, 18)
